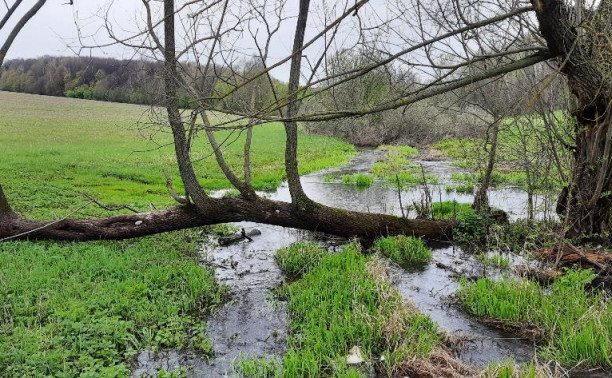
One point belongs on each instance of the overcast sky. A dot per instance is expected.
(53, 27)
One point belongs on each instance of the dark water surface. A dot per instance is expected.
(253, 324)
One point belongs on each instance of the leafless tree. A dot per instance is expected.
(436, 38)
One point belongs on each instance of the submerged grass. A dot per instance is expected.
(398, 165)
(74, 309)
(360, 180)
(577, 322)
(344, 302)
(403, 249)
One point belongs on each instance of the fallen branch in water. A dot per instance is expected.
(232, 239)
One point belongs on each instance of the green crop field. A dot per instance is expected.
(54, 148)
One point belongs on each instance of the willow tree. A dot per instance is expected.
(438, 39)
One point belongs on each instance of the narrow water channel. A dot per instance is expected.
(253, 324)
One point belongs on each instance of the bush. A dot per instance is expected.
(298, 258)
(403, 249)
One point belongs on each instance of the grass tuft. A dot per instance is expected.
(297, 258)
(493, 260)
(403, 249)
(360, 180)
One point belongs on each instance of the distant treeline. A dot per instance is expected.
(106, 79)
(131, 81)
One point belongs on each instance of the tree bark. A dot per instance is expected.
(5, 208)
(320, 218)
(18, 26)
(481, 199)
(291, 148)
(583, 56)
(181, 145)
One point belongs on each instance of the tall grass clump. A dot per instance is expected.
(297, 258)
(451, 209)
(510, 369)
(344, 302)
(577, 322)
(403, 249)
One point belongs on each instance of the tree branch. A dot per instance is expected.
(17, 28)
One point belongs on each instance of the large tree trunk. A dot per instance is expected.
(584, 56)
(586, 204)
(317, 218)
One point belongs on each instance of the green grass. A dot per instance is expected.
(397, 164)
(510, 369)
(519, 145)
(462, 150)
(577, 322)
(497, 178)
(344, 302)
(360, 180)
(87, 308)
(465, 188)
(298, 258)
(403, 249)
(54, 148)
(452, 209)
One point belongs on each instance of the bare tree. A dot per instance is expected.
(436, 38)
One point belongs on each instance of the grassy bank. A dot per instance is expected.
(527, 156)
(576, 323)
(398, 165)
(87, 308)
(55, 147)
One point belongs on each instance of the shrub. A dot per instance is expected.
(297, 258)
(403, 249)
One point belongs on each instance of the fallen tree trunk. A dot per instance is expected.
(313, 217)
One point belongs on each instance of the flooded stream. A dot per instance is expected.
(254, 324)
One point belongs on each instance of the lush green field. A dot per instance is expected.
(69, 309)
(53, 148)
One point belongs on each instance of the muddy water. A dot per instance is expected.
(252, 324)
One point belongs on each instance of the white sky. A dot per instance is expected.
(53, 31)
(53, 27)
